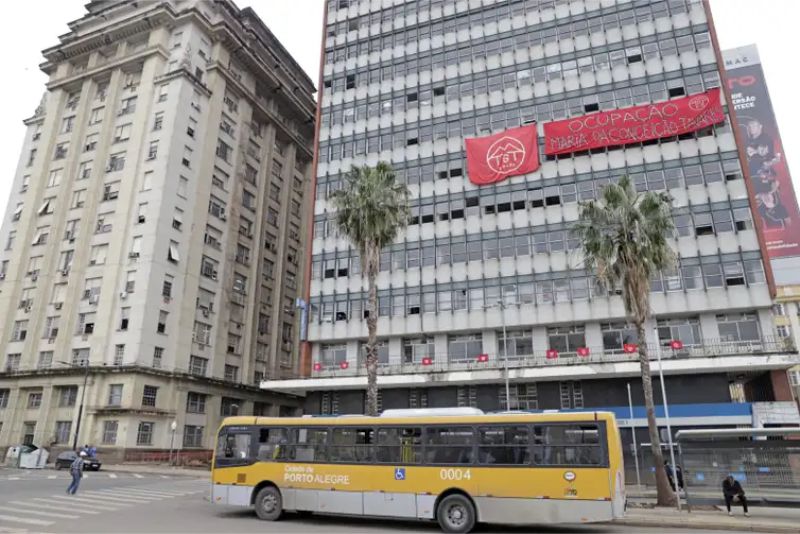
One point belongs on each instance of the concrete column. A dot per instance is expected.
(439, 348)
(491, 344)
(709, 329)
(540, 341)
(594, 338)
(395, 351)
(781, 387)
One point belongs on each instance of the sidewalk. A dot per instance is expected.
(157, 469)
(761, 519)
(701, 496)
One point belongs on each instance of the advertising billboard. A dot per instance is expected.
(775, 199)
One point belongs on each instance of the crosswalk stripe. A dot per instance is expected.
(137, 475)
(113, 507)
(85, 475)
(148, 494)
(112, 475)
(121, 493)
(51, 506)
(156, 491)
(164, 476)
(51, 477)
(113, 498)
(13, 478)
(26, 520)
(38, 512)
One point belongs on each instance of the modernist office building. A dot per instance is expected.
(155, 229)
(406, 82)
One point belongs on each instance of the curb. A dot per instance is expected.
(686, 524)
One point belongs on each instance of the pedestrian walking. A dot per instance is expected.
(76, 470)
(731, 489)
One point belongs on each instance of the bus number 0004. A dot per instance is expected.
(455, 474)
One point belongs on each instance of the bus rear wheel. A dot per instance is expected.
(269, 504)
(456, 513)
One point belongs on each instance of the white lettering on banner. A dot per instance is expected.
(306, 475)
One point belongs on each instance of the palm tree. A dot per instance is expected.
(371, 209)
(624, 240)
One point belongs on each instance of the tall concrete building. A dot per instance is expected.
(488, 276)
(155, 230)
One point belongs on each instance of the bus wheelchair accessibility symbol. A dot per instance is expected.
(399, 473)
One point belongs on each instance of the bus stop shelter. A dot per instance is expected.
(766, 461)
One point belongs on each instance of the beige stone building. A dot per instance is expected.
(155, 230)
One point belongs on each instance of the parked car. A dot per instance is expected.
(65, 459)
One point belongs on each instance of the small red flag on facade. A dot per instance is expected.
(583, 351)
(551, 354)
(630, 348)
(426, 361)
(317, 366)
(494, 158)
(344, 365)
(483, 358)
(676, 344)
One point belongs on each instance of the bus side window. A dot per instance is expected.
(308, 445)
(401, 446)
(570, 444)
(233, 448)
(503, 445)
(272, 444)
(449, 445)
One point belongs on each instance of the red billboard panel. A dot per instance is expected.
(494, 158)
(634, 124)
(768, 171)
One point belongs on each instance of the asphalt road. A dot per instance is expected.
(35, 501)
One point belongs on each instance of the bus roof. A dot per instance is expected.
(517, 417)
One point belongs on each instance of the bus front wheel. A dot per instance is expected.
(269, 504)
(456, 513)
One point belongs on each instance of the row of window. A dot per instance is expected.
(419, 19)
(497, 245)
(565, 340)
(468, 123)
(539, 289)
(541, 444)
(413, 59)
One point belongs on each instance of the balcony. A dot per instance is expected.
(438, 363)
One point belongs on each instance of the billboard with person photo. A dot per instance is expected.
(772, 187)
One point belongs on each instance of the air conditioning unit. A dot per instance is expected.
(222, 217)
(133, 254)
(34, 277)
(65, 272)
(2, 276)
(28, 308)
(109, 168)
(141, 219)
(87, 293)
(214, 275)
(94, 299)
(123, 295)
(92, 262)
(58, 305)
(205, 312)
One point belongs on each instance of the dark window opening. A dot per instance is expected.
(676, 91)
(591, 107)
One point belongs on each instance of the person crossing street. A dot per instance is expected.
(76, 470)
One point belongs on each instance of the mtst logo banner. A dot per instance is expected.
(496, 157)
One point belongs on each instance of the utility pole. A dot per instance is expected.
(80, 408)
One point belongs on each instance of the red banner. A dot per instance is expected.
(634, 124)
(496, 157)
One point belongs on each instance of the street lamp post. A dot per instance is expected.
(173, 426)
(633, 436)
(83, 397)
(666, 418)
(502, 305)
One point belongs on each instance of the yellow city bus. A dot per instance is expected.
(458, 466)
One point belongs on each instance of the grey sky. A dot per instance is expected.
(37, 23)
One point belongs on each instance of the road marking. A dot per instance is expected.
(13, 478)
(26, 520)
(106, 506)
(137, 475)
(164, 476)
(156, 491)
(51, 477)
(112, 475)
(149, 494)
(37, 512)
(85, 474)
(51, 506)
(113, 498)
(121, 493)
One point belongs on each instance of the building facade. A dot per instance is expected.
(486, 278)
(155, 230)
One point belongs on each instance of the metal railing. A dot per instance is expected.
(438, 362)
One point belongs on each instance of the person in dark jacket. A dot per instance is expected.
(731, 489)
(76, 470)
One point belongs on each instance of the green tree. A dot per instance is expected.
(371, 209)
(624, 239)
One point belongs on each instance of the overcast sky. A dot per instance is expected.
(33, 25)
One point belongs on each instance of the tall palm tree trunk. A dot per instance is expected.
(664, 494)
(371, 362)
